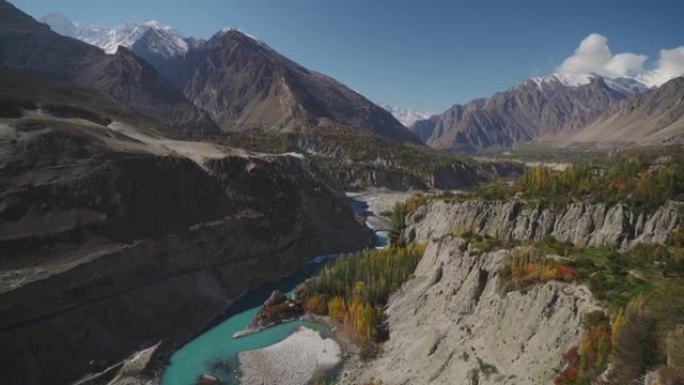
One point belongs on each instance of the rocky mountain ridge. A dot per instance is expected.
(516, 116)
(245, 84)
(649, 118)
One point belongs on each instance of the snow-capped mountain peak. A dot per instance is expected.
(405, 115)
(623, 84)
(170, 42)
(569, 80)
(627, 85)
(125, 35)
(163, 42)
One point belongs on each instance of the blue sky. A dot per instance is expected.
(426, 54)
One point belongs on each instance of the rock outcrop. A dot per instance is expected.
(275, 310)
(452, 324)
(454, 176)
(455, 324)
(580, 223)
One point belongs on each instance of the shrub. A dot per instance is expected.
(526, 268)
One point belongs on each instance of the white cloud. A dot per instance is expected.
(625, 64)
(670, 65)
(591, 56)
(595, 56)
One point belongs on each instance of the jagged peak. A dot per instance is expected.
(240, 34)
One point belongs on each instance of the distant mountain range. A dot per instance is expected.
(240, 81)
(109, 39)
(243, 84)
(554, 107)
(157, 42)
(406, 116)
(655, 116)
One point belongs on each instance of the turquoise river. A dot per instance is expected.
(215, 351)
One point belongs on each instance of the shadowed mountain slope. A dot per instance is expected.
(29, 46)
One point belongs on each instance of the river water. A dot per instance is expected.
(215, 351)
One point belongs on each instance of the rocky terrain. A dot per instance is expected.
(115, 236)
(275, 310)
(454, 321)
(580, 223)
(452, 325)
(295, 360)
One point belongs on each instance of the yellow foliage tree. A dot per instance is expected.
(367, 319)
(360, 291)
(337, 309)
(594, 349)
(316, 304)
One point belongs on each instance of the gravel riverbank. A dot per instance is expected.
(293, 361)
